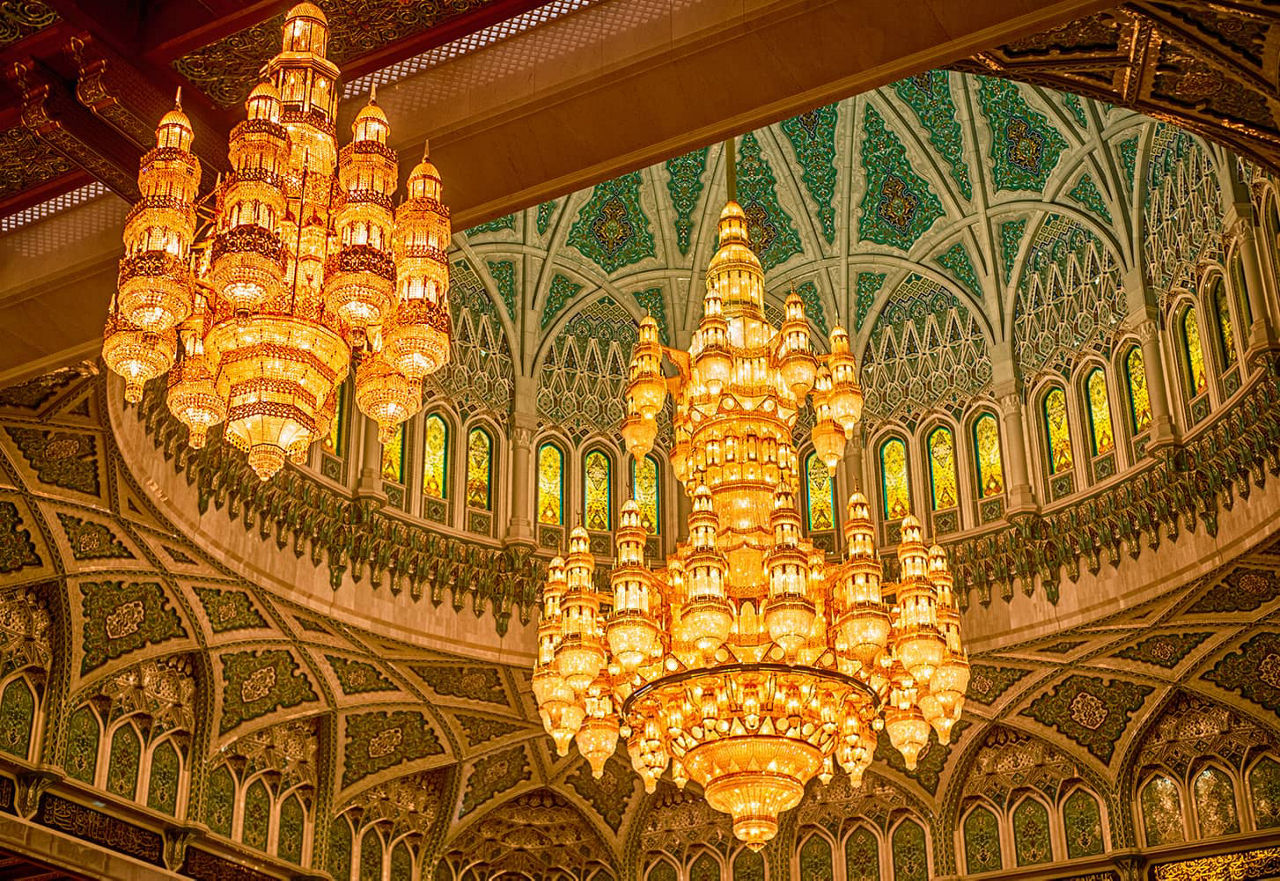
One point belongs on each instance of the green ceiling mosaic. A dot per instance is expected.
(380, 740)
(770, 228)
(258, 682)
(956, 261)
(612, 229)
(1085, 193)
(898, 206)
(1089, 710)
(929, 97)
(684, 186)
(1025, 146)
(123, 616)
(813, 137)
(1011, 232)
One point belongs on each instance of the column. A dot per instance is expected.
(1261, 336)
(1164, 430)
(369, 484)
(1020, 493)
(851, 467)
(524, 425)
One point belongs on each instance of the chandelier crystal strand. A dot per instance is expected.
(749, 664)
(304, 266)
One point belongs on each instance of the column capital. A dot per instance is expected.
(1147, 329)
(1009, 399)
(523, 427)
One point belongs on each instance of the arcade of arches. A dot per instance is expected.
(1065, 315)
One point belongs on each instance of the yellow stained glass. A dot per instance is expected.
(1057, 431)
(598, 488)
(822, 502)
(393, 457)
(1104, 439)
(1226, 338)
(334, 442)
(986, 440)
(435, 457)
(942, 468)
(644, 489)
(1139, 398)
(1194, 353)
(479, 469)
(550, 485)
(894, 482)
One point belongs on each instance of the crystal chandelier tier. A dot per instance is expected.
(260, 297)
(749, 664)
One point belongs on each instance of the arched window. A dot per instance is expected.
(220, 801)
(704, 868)
(982, 842)
(17, 716)
(748, 865)
(1101, 434)
(393, 457)
(335, 440)
(1226, 332)
(1139, 398)
(371, 856)
(597, 487)
(550, 485)
(910, 856)
(83, 734)
(435, 457)
(986, 446)
(1082, 820)
(861, 856)
(895, 485)
(1161, 812)
(340, 849)
(1264, 792)
(821, 494)
(1031, 833)
(125, 762)
(1057, 431)
(293, 821)
(662, 871)
(942, 468)
(401, 862)
(1242, 291)
(163, 780)
(1197, 382)
(1215, 801)
(646, 492)
(479, 469)
(815, 859)
(256, 825)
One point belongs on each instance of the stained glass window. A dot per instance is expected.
(662, 871)
(1264, 791)
(340, 849)
(371, 856)
(981, 842)
(910, 859)
(122, 770)
(1194, 353)
(704, 868)
(1242, 292)
(293, 820)
(986, 442)
(821, 492)
(550, 485)
(219, 801)
(942, 468)
(435, 457)
(164, 779)
(1057, 431)
(1031, 833)
(895, 484)
(1161, 811)
(1082, 820)
(334, 442)
(257, 816)
(1226, 336)
(644, 489)
(861, 856)
(479, 469)
(1100, 432)
(748, 865)
(393, 457)
(17, 716)
(1139, 397)
(1215, 799)
(598, 491)
(815, 859)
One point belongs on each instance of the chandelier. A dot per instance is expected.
(260, 296)
(749, 664)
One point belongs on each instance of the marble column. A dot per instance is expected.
(369, 484)
(524, 424)
(851, 468)
(1164, 430)
(1020, 493)
(1261, 336)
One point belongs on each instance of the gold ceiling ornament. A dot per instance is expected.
(749, 664)
(300, 263)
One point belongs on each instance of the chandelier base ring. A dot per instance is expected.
(749, 667)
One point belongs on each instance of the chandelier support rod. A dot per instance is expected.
(731, 168)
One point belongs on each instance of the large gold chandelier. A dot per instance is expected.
(749, 664)
(300, 262)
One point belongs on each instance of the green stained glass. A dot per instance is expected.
(340, 849)
(1226, 336)
(815, 859)
(662, 871)
(293, 821)
(1242, 292)
(1194, 352)
(942, 468)
(1100, 431)
(479, 469)
(393, 457)
(748, 865)
(257, 816)
(401, 863)
(644, 489)
(910, 860)
(371, 856)
(1264, 792)
(334, 442)
(1031, 833)
(122, 770)
(894, 483)
(1082, 821)
(219, 801)
(435, 457)
(83, 733)
(598, 491)
(861, 856)
(982, 842)
(17, 715)
(550, 485)
(704, 868)
(1139, 397)
(986, 443)
(822, 494)
(1057, 431)
(1215, 799)
(166, 770)
(1161, 811)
